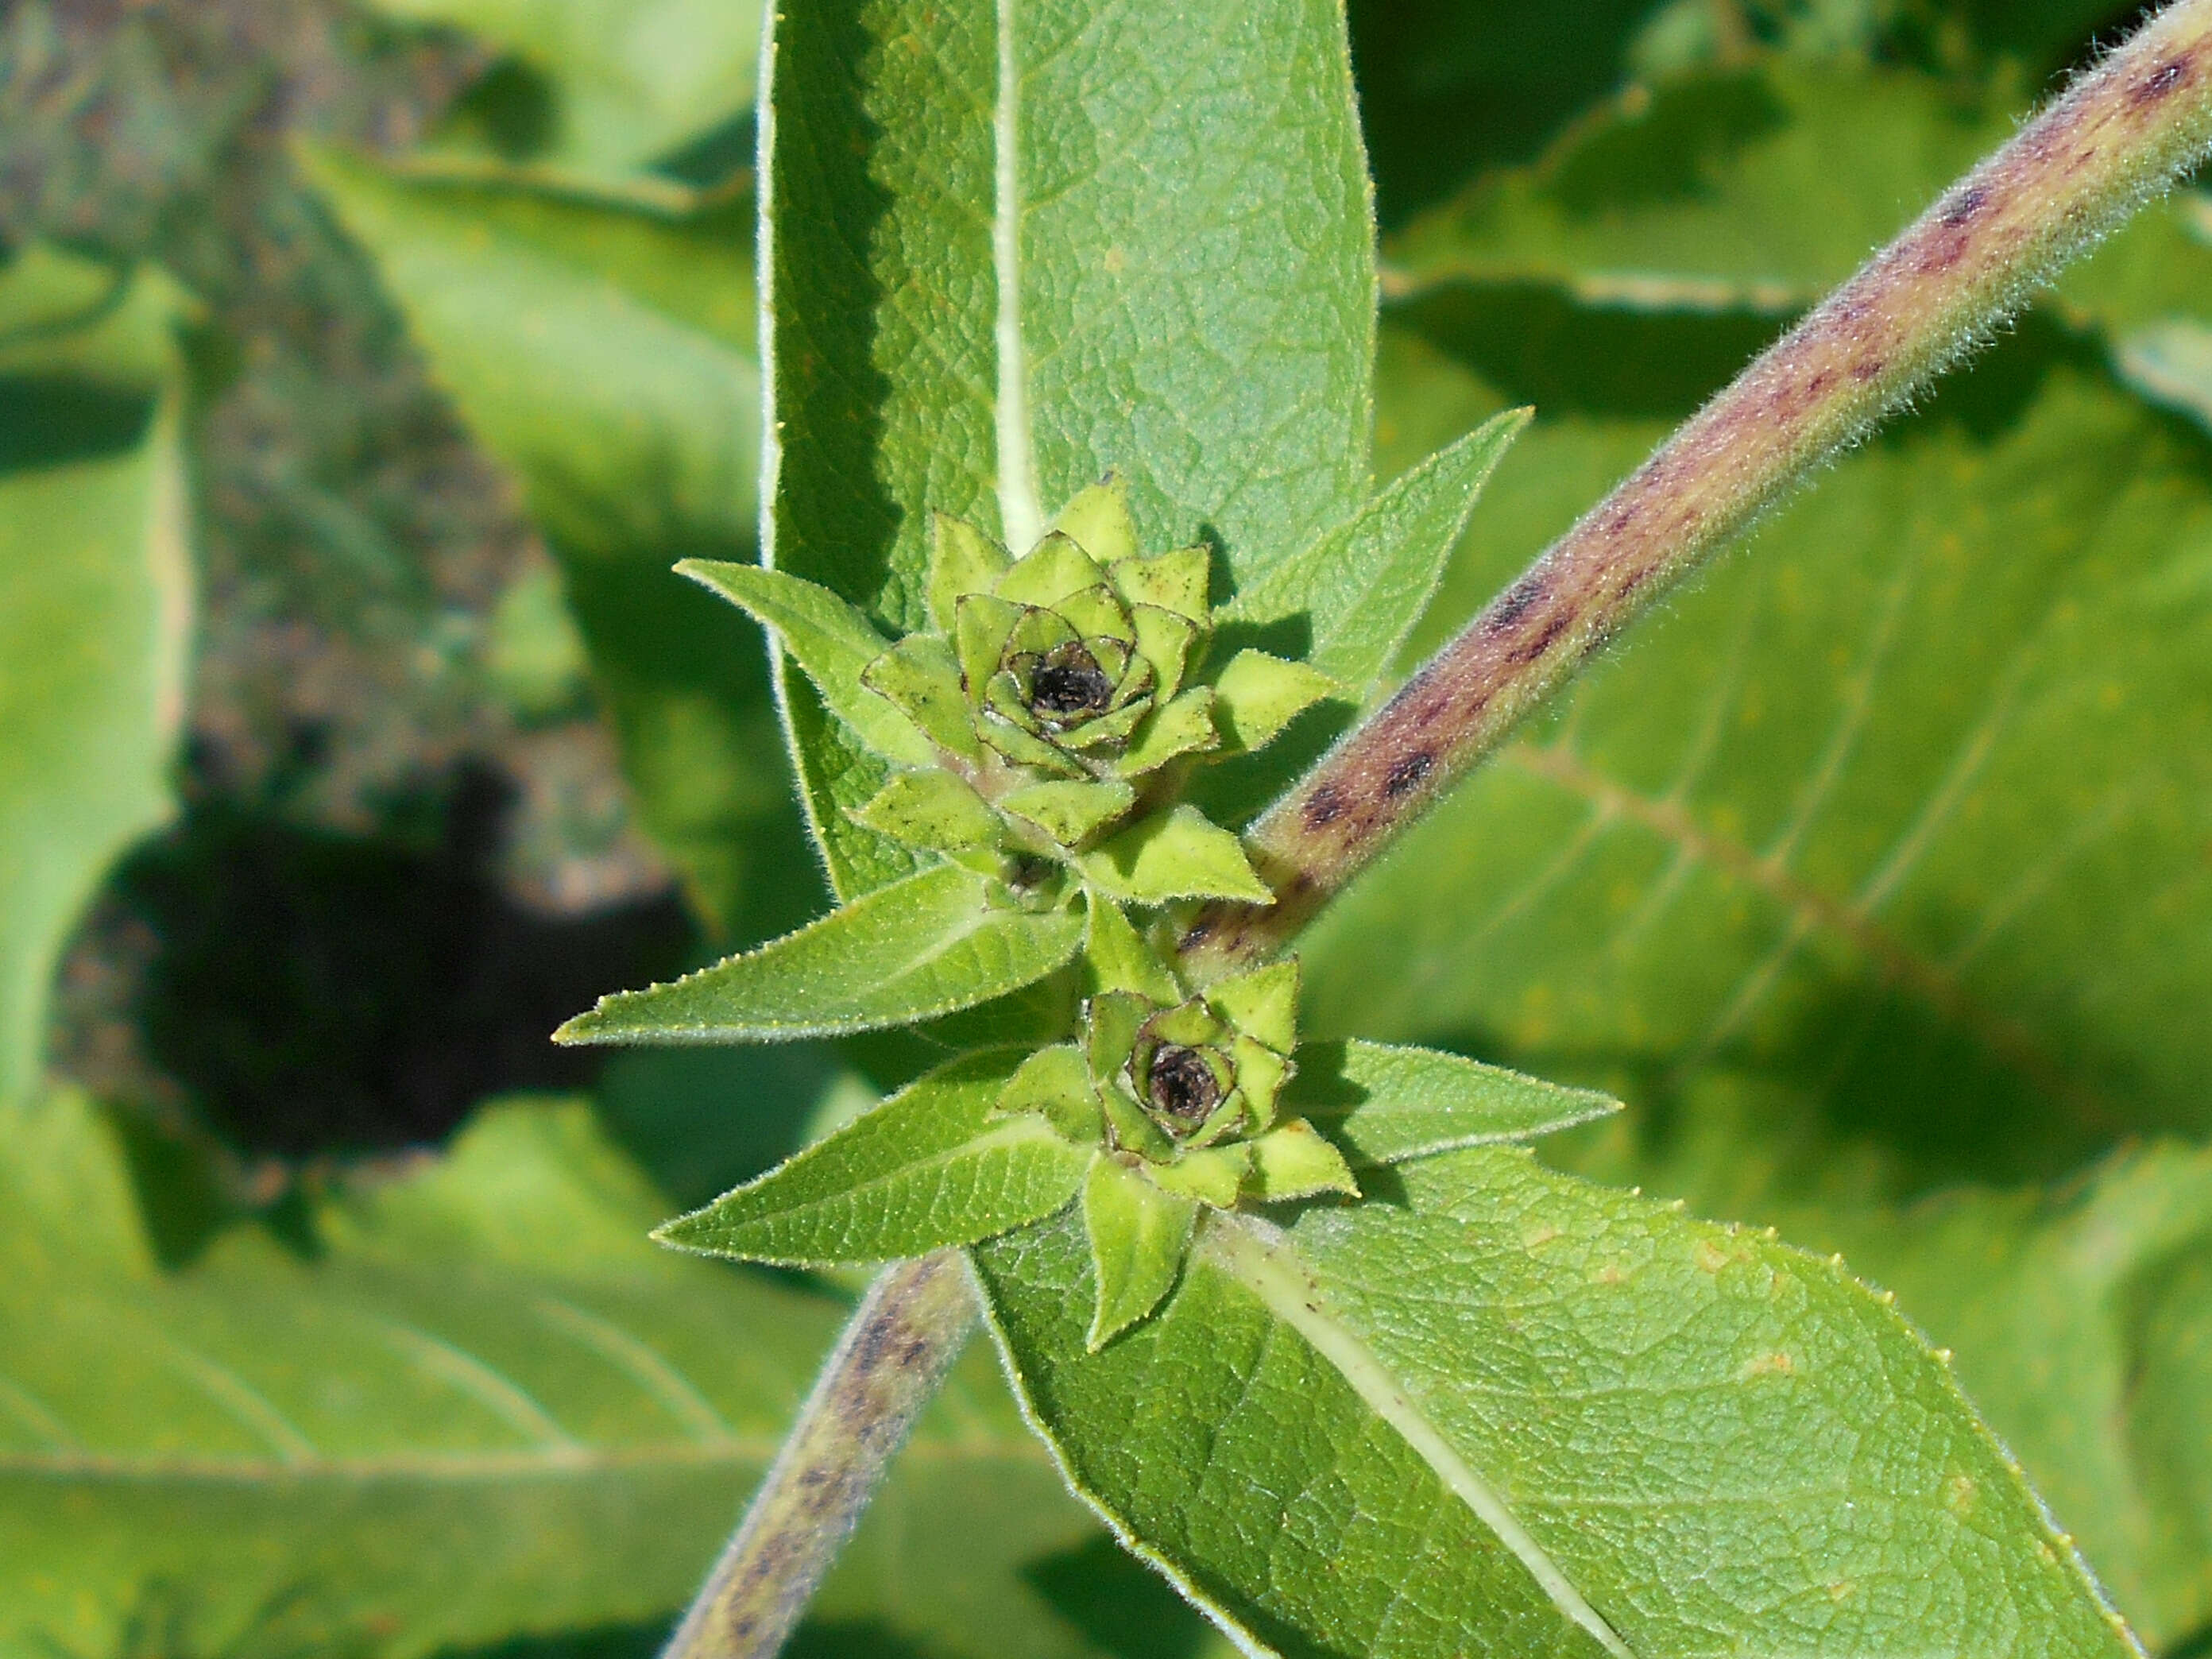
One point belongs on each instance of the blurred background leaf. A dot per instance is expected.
(95, 601)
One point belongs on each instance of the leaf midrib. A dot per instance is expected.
(1271, 1270)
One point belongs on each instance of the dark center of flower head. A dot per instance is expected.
(1183, 1086)
(1069, 682)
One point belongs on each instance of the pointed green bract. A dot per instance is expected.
(1293, 1161)
(931, 809)
(1138, 1234)
(1257, 695)
(920, 678)
(1071, 812)
(962, 560)
(1098, 521)
(1358, 589)
(932, 1166)
(1383, 1103)
(1117, 958)
(1176, 854)
(1055, 1084)
(1684, 1436)
(925, 357)
(942, 939)
(832, 642)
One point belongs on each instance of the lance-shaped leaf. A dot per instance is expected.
(1382, 1103)
(1004, 257)
(942, 939)
(933, 1165)
(1176, 854)
(1352, 596)
(833, 642)
(1509, 1411)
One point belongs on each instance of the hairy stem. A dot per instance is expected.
(2121, 133)
(893, 1353)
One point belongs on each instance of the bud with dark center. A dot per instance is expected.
(1181, 1086)
(1068, 686)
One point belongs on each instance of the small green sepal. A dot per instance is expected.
(1257, 695)
(933, 810)
(1296, 1160)
(1139, 1235)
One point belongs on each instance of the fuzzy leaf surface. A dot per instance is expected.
(1892, 826)
(930, 1167)
(1001, 264)
(440, 1430)
(941, 940)
(1355, 594)
(1382, 1104)
(1510, 1411)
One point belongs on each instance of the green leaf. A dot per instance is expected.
(2082, 1327)
(605, 355)
(2170, 362)
(940, 940)
(1353, 596)
(1257, 695)
(827, 638)
(930, 1167)
(1511, 1412)
(1071, 812)
(630, 79)
(932, 810)
(1294, 1161)
(96, 602)
(1116, 958)
(1139, 1234)
(981, 247)
(479, 1407)
(1171, 855)
(1698, 195)
(1382, 1104)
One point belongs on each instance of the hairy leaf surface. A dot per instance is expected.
(1509, 1411)
(941, 940)
(1010, 248)
(932, 1166)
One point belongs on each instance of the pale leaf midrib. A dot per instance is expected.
(1021, 517)
(1271, 1271)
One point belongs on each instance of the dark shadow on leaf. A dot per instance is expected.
(44, 421)
(1668, 152)
(1121, 1606)
(1535, 344)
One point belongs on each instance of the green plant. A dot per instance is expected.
(1290, 1305)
